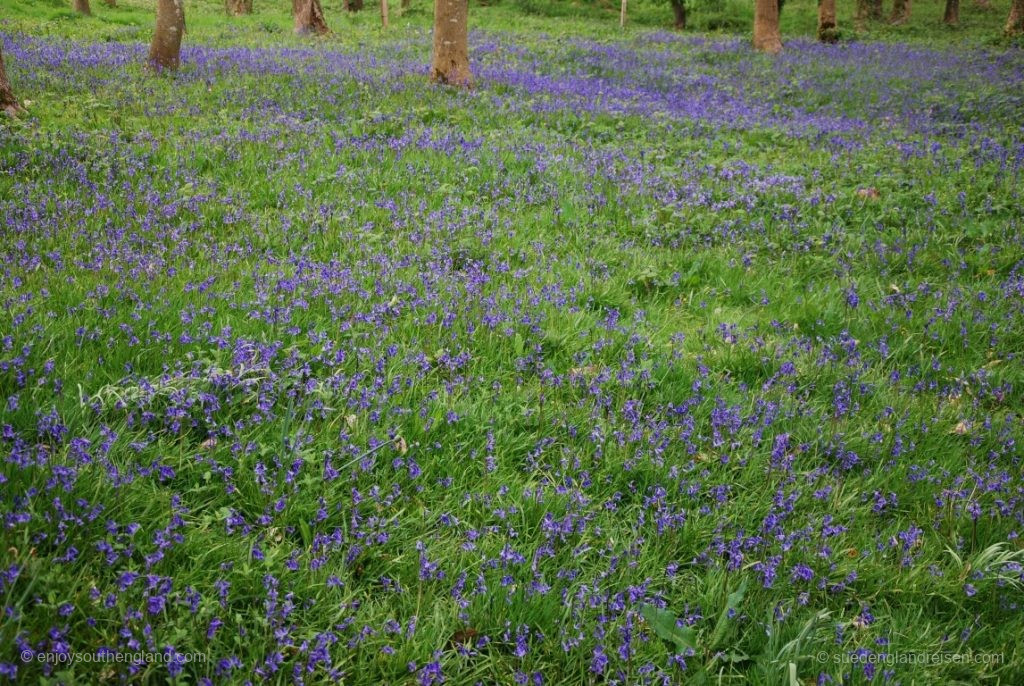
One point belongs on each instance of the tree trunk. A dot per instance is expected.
(622, 14)
(82, 7)
(1015, 22)
(352, 5)
(8, 103)
(766, 26)
(827, 31)
(165, 50)
(384, 13)
(869, 9)
(451, 43)
(309, 17)
(900, 12)
(952, 13)
(679, 10)
(237, 8)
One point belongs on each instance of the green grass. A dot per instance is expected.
(526, 309)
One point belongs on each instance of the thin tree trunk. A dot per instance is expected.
(766, 26)
(384, 13)
(451, 43)
(165, 50)
(237, 8)
(309, 17)
(952, 13)
(827, 31)
(622, 14)
(352, 5)
(1015, 22)
(82, 7)
(900, 12)
(679, 11)
(8, 103)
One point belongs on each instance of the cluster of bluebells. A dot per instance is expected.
(358, 386)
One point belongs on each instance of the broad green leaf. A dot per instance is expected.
(665, 625)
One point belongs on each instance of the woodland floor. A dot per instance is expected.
(647, 360)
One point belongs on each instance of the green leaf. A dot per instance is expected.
(665, 625)
(736, 597)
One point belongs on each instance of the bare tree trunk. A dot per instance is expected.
(679, 11)
(1015, 22)
(8, 103)
(82, 7)
(869, 9)
(451, 43)
(309, 17)
(165, 50)
(622, 14)
(237, 8)
(827, 31)
(952, 13)
(766, 26)
(900, 12)
(352, 5)
(384, 13)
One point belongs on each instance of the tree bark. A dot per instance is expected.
(165, 50)
(8, 103)
(869, 9)
(309, 17)
(236, 8)
(451, 43)
(827, 30)
(952, 14)
(352, 5)
(1015, 21)
(679, 11)
(622, 14)
(82, 7)
(766, 26)
(900, 12)
(384, 13)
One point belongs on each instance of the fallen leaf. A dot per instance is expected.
(868, 193)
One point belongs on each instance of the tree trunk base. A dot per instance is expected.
(165, 50)
(1015, 22)
(309, 18)
(237, 8)
(450, 61)
(951, 17)
(679, 14)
